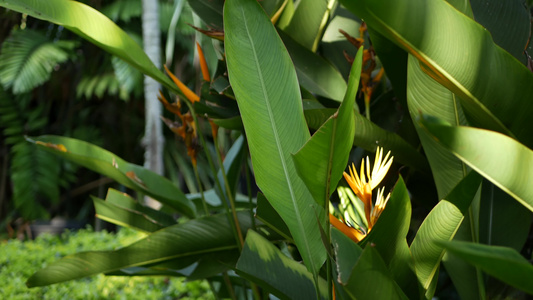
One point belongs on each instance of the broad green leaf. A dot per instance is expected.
(93, 26)
(441, 224)
(324, 157)
(460, 54)
(388, 237)
(193, 267)
(394, 61)
(28, 59)
(425, 95)
(467, 279)
(369, 136)
(209, 11)
(268, 215)
(508, 22)
(347, 253)
(308, 22)
(315, 74)
(123, 217)
(267, 92)
(108, 164)
(502, 221)
(119, 208)
(271, 6)
(503, 263)
(499, 158)
(371, 279)
(202, 236)
(263, 263)
(125, 201)
(334, 43)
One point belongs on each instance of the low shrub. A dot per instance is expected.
(19, 260)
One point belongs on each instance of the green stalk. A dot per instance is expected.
(367, 109)
(249, 188)
(213, 290)
(235, 224)
(204, 203)
(229, 286)
(228, 192)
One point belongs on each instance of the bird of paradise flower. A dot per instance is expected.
(362, 185)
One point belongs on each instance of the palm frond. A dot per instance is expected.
(28, 59)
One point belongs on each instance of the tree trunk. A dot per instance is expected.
(153, 135)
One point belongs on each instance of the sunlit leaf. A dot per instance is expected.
(499, 158)
(266, 88)
(263, 263)
(503, 263)
(108, 164)
(202, 236)
(460, 54)
(322, 160)
(441, 224)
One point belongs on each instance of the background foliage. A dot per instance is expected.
(442, 84)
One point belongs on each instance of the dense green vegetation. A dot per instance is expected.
(265, 195)
(18, 260)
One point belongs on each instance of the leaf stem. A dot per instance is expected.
(234, 225)
(228, 193)
(204, 203)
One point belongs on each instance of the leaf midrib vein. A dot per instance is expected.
(276, 137)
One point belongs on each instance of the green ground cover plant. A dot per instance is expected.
(19, 259)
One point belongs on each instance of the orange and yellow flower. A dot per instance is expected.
(362, 185)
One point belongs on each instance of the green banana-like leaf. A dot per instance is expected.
(503, 263)
(499, 158)
(108, 164)
(388, 237)
(268, 216)
(308, 22)
(122, 217)
(264, 264)
(93, 26)
(324, 157)
(202, 236)
(209, 11)
(370, 278)
(502, 220)
(394, 61)
(333, 43)
(315, 74)
(267, 92)
(508, 22)
(119, 208)
(205, 266)
(369, 136)
(347, 252)
(460, 54)
(441, 224)
(125, 201)
(425, 95)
